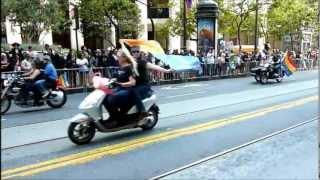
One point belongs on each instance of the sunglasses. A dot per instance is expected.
(135, 51)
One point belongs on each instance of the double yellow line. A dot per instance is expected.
(98, 153)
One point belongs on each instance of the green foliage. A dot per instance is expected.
(289, 18)
(34, 16)
(236, 16)
(176, 24)
(98, 15)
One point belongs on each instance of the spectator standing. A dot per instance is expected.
(82, 63)
(15, 57)
(26, 64)
(99, 59)
(211, 63)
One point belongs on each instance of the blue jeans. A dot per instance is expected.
(40, 85)
(138, 94)
(119, 99)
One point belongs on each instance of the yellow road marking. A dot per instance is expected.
(134, 144)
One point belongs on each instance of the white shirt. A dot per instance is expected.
(26, 65)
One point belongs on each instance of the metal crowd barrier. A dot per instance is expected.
(76, 78)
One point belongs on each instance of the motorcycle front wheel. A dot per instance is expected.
(257, 78)
(57, 98)
(5, 104)
(81, 133)
(279, 79)
(264, 78)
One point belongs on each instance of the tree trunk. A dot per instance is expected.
(117, 36)
(291, 41)
(239, 40)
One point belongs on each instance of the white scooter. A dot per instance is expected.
(94, 116)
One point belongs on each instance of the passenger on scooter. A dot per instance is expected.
(276, 63)
(125, 81)
(49, 79)
(140, 91)
(31, 77)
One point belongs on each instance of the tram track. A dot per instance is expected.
(231, 150)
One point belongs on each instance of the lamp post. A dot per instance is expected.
(76, 13)
(256, 28)
(318, 24)
(152, 23)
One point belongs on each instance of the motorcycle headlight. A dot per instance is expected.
(6, 82)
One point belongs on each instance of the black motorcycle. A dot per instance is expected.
(268, 71)
(11, 91)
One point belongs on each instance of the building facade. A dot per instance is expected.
(156, 10)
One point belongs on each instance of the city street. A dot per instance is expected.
(197, 120)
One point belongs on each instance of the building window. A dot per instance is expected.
(158, 9)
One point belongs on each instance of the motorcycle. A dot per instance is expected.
(11, 91)
(94, 117)
(267, 71)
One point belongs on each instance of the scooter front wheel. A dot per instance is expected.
(81, 133)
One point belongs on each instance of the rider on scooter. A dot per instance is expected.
(125, 81)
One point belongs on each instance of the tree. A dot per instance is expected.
(36, 16)
(290, 17)
(176, 24)
(124, 15)
(236, 13)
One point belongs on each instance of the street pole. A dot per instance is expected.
(256, 29)
(152, 23)
(77, 25)
(184, 26)
(318, 24)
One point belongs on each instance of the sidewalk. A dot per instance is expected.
(290, 155)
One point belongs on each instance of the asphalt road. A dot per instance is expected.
(183, 138)
(169, 93)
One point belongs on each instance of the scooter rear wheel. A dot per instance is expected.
(80, 133)
(151, 123)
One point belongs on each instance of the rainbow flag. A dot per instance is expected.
(288, 65)
(176, 62)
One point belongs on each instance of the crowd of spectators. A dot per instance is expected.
(225, 61)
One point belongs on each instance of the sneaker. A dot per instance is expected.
(45, 94)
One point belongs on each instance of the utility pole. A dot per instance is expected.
(318, 24)
(184, 26)
(256, 28)
(76, 15)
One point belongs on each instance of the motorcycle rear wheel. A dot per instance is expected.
(5, 104)
(52, 102)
